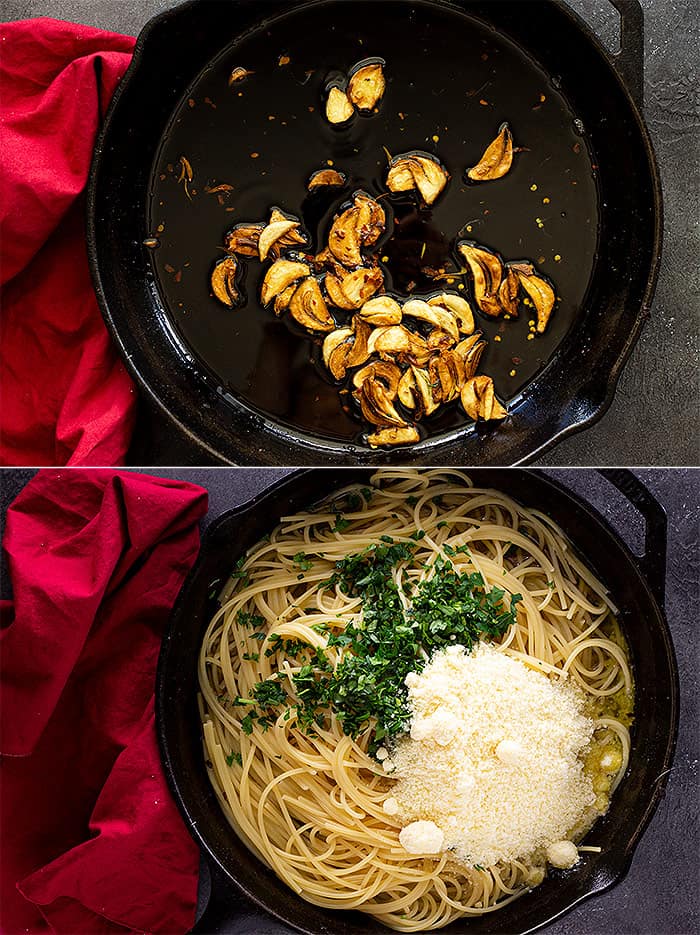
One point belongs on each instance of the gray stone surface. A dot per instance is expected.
(660, 894)
(655, 417)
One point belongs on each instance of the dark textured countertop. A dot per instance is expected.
(655, 417)
(660, 894)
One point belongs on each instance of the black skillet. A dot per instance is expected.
(244, 386)
(637, 586)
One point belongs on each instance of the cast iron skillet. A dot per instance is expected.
(573, 390)
(637, 585)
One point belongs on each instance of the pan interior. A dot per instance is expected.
(451, 82)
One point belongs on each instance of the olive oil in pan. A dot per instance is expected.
(254, 144)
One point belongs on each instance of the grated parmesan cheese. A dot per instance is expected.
(494, 764)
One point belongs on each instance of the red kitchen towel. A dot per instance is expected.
(65, 396)
(91, 838)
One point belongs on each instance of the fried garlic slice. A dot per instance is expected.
(338, 107)
(487, 273)
(336, 347)
(435, 315)
(458, 307)
(358, 226)
(326, 178)
(406, 435)
(419, 171)
(447, 375)
(497, 159)
(381, 311)
(244, 239)
(470, 350)
(308, 307)
(479, 400)
(541, 294)
(223, 281)
(350, 290)
(366, 86)
(280, 275)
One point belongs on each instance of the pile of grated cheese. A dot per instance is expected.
(491, 769)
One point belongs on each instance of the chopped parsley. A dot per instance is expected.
(302, 561)
(234, 757)
(249, 620)
(367, 687)
(269, 693)
(340, 523)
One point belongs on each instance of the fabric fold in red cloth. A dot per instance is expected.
(91, 838)
(66, 396)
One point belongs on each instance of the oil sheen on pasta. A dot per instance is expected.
(308, 800)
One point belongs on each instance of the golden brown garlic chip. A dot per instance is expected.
(406, 435)
(381, 311)
(281, 231)
(326, 178)
(338, 107)
(281, 274)
(335, 351)
(376, 393)
(284, 298)
(358, 226)
(479, 400)
(447, 375)
(350, 290)
(508, 292)
(238, 74)
(497, 159)
(394, 339)
(459, 307)
(470, 350)
(366, 86)
(244, 239)
(382, 370)
(416, 392)
(359, 352)
(439, 340)
(435, 315)
(223, 281)
(417, 171)
(540, 292)
(487, 272)
(308, 308)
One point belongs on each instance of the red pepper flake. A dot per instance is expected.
(255, 155)
(162, 176)
(208, 100)
(190, 102)
(516, 360)
(178, 276)
(283, 60)
(311, 110)
(484, 103)
(577, 148)
(168, 268)
(484, 56)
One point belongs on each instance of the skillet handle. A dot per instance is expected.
(629, 61)
(223, 906)
(653, 561)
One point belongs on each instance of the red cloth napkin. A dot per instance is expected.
(91, 838)
(66, 397)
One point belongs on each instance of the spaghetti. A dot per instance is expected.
(307, 797)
